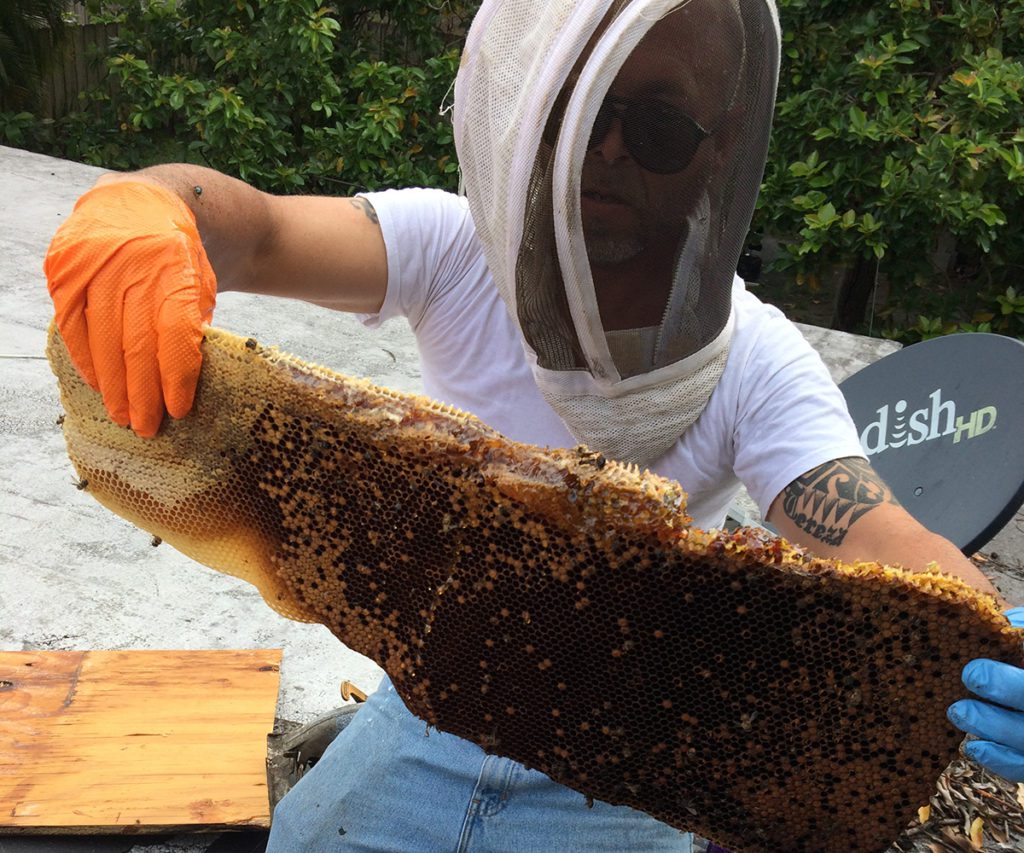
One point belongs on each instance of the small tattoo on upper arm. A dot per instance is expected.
(826, 501)
(367, 208)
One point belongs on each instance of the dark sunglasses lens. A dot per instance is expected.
(660, 138)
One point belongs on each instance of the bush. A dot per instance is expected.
(286, 94)
(30, 33)
(1004, 315)
(897, 155)
(898, 152)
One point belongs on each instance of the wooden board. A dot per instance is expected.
(135, 741)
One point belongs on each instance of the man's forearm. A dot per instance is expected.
(233, 218)
(916, 548)
(323, 249)
(844, 509)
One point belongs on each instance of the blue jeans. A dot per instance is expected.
(386, 784)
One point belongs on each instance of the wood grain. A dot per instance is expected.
(135, 741)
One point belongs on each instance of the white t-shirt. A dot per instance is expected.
(774, 415)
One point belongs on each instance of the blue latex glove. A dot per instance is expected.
(1000, 730)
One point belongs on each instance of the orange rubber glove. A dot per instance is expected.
(132, 288)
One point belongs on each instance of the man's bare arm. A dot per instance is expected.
(827, 501)
(326, 250)
(844, 509)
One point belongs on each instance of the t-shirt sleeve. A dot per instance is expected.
(791, 415)
(428, 236)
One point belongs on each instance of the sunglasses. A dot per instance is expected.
(659, 137)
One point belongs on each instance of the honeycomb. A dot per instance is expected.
(557, 607)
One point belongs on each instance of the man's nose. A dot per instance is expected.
(613, 147)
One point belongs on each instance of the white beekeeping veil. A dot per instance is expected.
(612, 151)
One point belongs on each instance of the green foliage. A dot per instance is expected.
(898, 148)
(1004, 314)
(899, 138)
(29, 32)
(286, 94)
(17, 128)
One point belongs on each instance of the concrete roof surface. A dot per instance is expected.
(74, 576)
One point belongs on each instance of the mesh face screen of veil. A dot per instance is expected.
(558, 608)
(637, 133)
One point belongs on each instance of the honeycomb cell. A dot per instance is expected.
(557, 607)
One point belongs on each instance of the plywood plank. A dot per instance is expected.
(105, 741)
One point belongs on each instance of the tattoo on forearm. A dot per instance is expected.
(367, 208)
(827, 501)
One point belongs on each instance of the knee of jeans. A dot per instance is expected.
(294, 823)
(282, 836)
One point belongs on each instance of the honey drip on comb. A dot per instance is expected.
(556, 607)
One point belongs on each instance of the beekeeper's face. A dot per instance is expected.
(661, 130)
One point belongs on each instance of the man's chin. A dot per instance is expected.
(611, 231)
(608, 250)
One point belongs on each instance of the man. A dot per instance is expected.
(612, 154)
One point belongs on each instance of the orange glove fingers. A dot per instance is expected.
(179, 328)
(141, 367)
(207, 279)
(69, 271)
(122, 328)
(161, 338)
(104, 341)
(132, 288)
(73, 329)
